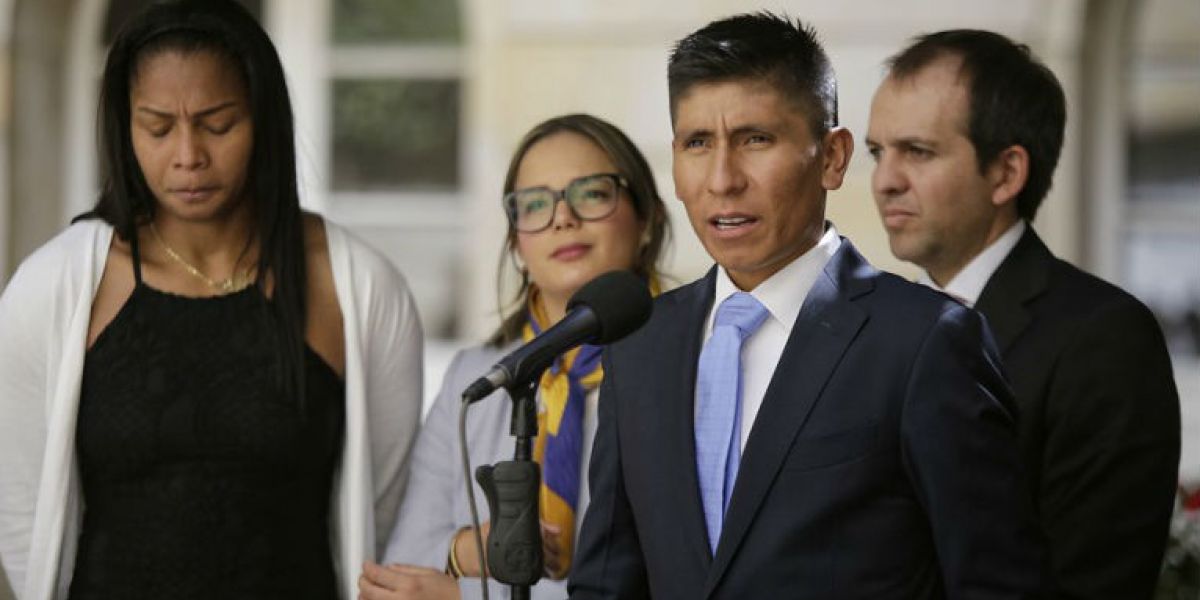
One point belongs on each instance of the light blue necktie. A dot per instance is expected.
(719, 413)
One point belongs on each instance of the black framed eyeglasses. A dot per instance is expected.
(590, 198)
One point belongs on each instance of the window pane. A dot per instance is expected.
(373, 21)
(1163, 78)
(1162, 165)
(120, 11)
(395, 134)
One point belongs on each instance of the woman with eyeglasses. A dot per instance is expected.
(580, 200)
(205, 392)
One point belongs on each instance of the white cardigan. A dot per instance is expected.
(44, 316)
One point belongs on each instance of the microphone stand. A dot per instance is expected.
(514, 544)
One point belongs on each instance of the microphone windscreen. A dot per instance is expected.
(620, 301)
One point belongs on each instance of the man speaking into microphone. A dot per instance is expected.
(795, 424)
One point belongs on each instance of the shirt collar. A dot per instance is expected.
(968, 284)
(784, 292)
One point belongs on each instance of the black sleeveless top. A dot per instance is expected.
(200, 478)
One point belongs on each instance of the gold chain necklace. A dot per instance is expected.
(230, 284)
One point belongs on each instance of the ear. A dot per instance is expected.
(837, 148)
(644, 238)
(1008, 173)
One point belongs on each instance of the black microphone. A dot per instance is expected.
(603, 311)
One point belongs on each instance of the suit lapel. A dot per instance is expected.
(677, 399)
(1022, 277)
(828, 322)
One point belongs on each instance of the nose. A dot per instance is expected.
(888, 179)
(563, 215)
(190, 152)
(725, 177)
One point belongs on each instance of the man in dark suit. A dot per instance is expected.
(966, 131)
(795, 424)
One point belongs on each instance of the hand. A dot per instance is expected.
(467, 552)
(552, 553)
(405, 582)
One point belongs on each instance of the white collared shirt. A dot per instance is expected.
(782, 294)
(968, 284)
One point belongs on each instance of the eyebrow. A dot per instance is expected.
(737, 131)
(569, 183)
(199, 114)
(912, 140)
(690, 133)
(908, 140)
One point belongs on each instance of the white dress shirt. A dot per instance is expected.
(968, 284)
(782, 294)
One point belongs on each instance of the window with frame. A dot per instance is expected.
(393, 155)
(395, 96)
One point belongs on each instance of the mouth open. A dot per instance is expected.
(732, 222)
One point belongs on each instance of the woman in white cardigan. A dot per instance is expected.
(204, 392)
(610, 217)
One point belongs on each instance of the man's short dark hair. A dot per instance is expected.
(760, 46)
(1014, 101)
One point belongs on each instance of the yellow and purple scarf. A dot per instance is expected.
(559, 446)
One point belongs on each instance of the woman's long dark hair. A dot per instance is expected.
(630, 163)
(225, 29)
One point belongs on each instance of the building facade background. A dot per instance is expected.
(407, 111)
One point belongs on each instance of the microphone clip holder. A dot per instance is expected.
(514, 543)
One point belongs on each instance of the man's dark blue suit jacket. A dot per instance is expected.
(883, 462)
